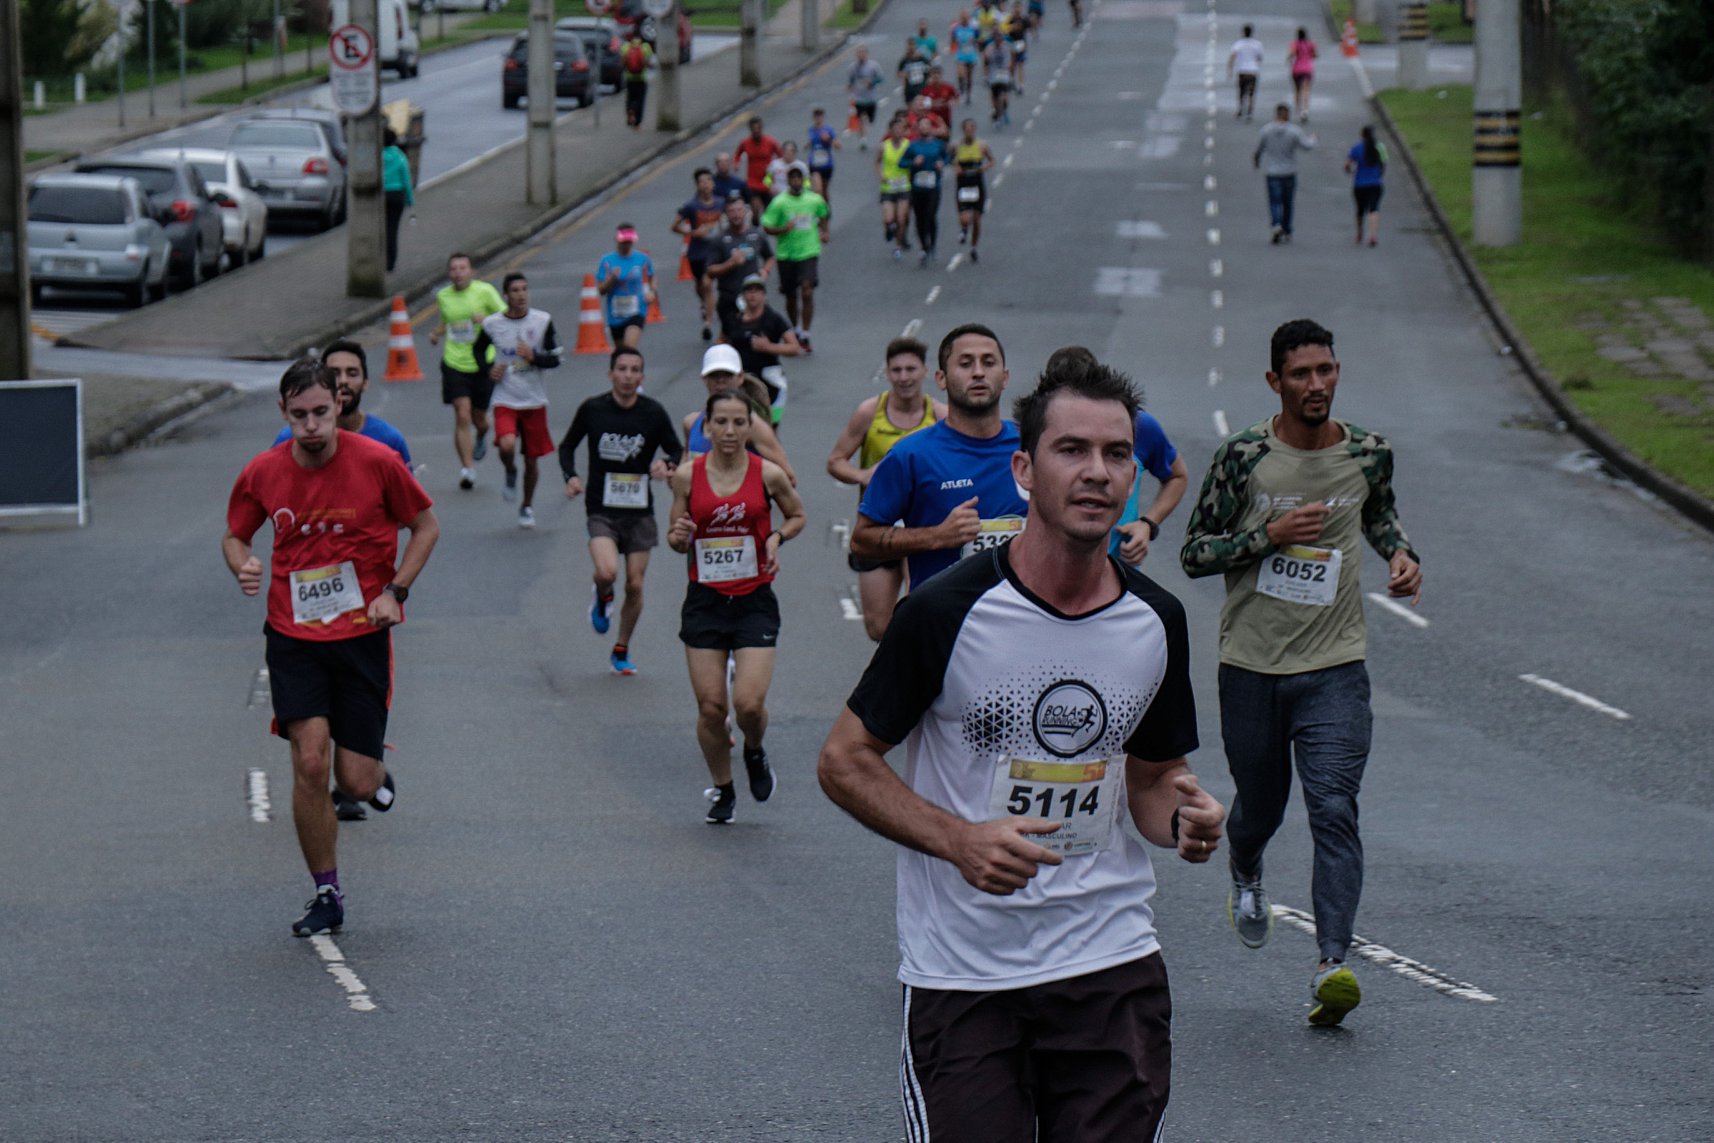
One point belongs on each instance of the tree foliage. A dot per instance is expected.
(1647, 73)
(48, 29)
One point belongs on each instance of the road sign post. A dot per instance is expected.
(355, 78)
(14, 251)
(541, 175)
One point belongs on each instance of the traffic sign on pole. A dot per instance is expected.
(355, 81)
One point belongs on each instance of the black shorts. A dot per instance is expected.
(826, 174)
(795, 274)
(860, 565)
(1247, 85)
(713, 621)
(895, 196)
(698, 267)
(981, 203)
(1089, 1058)
(618, 328)
(1368, 198)
(726, 307)
(629, 533)
(349, 682)
(864, 111)
(456, 383)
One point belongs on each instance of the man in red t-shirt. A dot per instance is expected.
(757, 151)
(941, 95)
(337, 501)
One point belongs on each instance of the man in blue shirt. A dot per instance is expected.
(950, 485)
(1155, 454)
(350, 367)
(626, 278)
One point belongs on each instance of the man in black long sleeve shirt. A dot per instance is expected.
(625, 430)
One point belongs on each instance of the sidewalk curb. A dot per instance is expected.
(1682, 498)
(200, 398)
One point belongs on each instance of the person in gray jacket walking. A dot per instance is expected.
(1276, 156)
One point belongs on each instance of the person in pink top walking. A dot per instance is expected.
(1301, 56)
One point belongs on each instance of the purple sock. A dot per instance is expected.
(327, 877)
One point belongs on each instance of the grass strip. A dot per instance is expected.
(1589, 275)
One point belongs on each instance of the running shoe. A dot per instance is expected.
(1275, 238)
(480, 449)
(598, 611)
(467, 478)
(973, 255)
(1251, 914)
(1335, 992)
(526, 517)
(761, 774)
(325, 914)
(898, 253)
(923, 261)
(347, 808)
(707, 332)
(803, 340)
(722, 803)
(621, 660)
(510, 492)
(963, 235)
(383, 798)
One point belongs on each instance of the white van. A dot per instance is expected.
(396, 38)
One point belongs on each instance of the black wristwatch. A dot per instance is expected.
(398, 591)
(1154, 528)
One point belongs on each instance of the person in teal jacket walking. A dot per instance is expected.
(396, 186)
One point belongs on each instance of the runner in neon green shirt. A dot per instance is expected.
(798, 221)
(463, 305)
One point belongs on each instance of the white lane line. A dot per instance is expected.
(1216, 267)
(996, 181)
(1219, 336)
(932, 294)
(1213, 378)
(1213, 236)
(1007, 161)
(1208, 143)
(1397, 609)
(1578, 697)
(1217, 298)
(261, 809)
(911, 327)
(1208, 182)
(953, 264)
(1413, 970)
(1031, 122)
(1222, 429)
(850, 610)
(259, 689)
(356, 992)
(1211, 208)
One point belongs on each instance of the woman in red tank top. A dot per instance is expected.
(722, 518)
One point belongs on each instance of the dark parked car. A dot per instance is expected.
(604, 35)
(571, 66)
(181, 203)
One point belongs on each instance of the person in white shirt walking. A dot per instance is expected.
(1246, 61)
(1276, 157)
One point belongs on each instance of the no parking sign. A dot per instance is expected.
(353, 76)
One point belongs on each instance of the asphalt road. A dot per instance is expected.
(546, 941)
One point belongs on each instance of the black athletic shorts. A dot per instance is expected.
(456, 383)
(795, 274)
(726, 307)
(618, 328)
(713, 621)
(864, 111)
(698, 267)
(860, 565)
(1089, 1058)
(1368, 198)
(349, 682)
(630, 532)
(981, 185)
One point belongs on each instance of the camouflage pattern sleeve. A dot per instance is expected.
(1212, 543)
(1380, 516)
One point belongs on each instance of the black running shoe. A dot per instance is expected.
(326, 914)
(347, 808)
(722, 801)
(384, 797)
(761, 774)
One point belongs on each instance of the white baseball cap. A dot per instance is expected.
(721, 359)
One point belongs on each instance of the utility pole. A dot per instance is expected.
(666, 56)
(355, 78)
(1413, 46)
(811, 25)
(541, 179)
(150, 6)
(1363, 11)
(1497, 180)
(749, 47)
(14, 251)
(181, 5)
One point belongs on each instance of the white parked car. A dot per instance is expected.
(243, 214)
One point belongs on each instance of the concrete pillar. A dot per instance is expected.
(1364, 11)
(1497, 205)
(811, 25)
(366, 219)
(1413, 46)
(14, 251)
(541, 178)
(667, 98)
(749, 43)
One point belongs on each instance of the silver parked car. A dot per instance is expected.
(295, 168)
(95, 231)
(243, 214)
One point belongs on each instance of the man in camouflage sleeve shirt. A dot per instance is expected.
(1281, 513)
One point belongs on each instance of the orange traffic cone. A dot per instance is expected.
(402, 362)
(684, 274)
(591, 326)
(854, 125)
(655, 314)
(1348, 42)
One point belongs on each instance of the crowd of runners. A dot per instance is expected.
(1036, 680)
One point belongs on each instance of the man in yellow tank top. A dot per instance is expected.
(895, 183)
(877, 425)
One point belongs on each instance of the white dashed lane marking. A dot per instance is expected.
(1221, 429)
(1577, 697)
(356, 992)
(1397, 608)
(1404, 966)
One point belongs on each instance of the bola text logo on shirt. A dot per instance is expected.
(1069, 718)
(619, 447)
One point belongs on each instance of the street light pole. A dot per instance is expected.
(1497, 215)
(667, 103)
(541, 178)
(14, 250)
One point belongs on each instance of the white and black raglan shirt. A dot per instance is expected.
(1006, 705)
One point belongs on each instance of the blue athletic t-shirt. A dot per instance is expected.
(374, 428)
(629, 298)
(929, 473)
(821, 148)
(1155, 455)
(923, 159)
(1365, 175)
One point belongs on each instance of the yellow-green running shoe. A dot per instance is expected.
(1335, 992)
